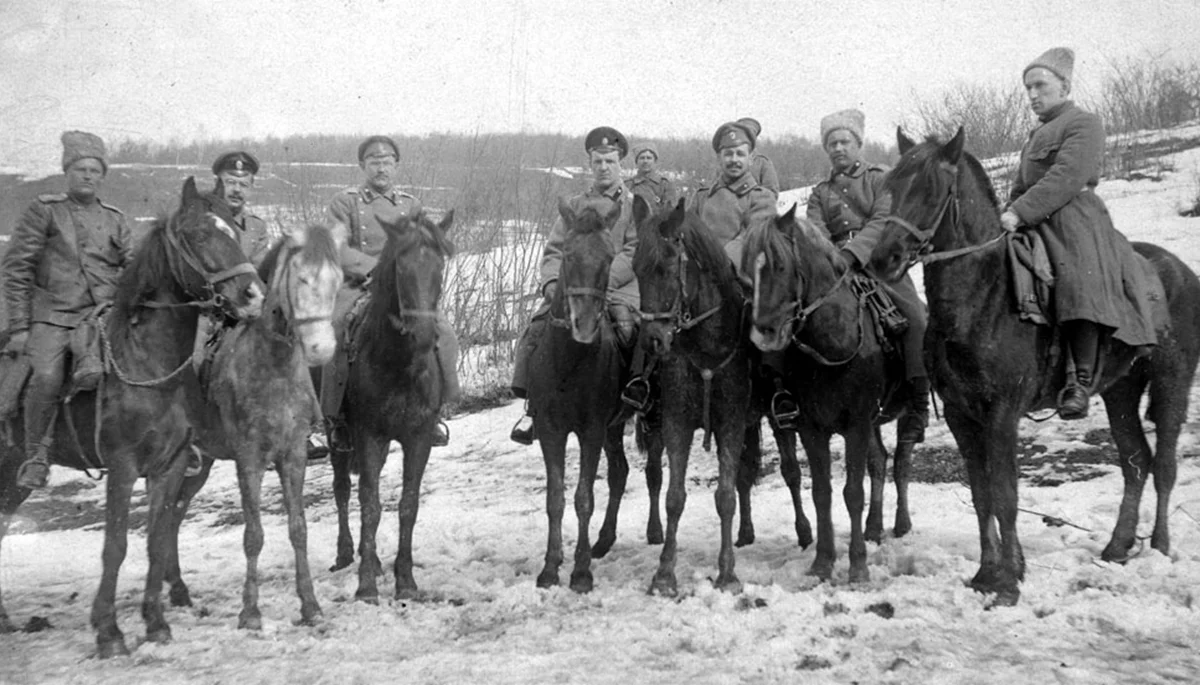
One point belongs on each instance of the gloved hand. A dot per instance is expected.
(852, 262)
(16, 344)
(550, 290)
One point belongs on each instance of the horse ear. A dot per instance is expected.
(219, 190)
(340, 234)
(902, 141)
(297, 233)
(614, 213)
(953, 150)
(641, 210)
(564, 209)
(789, 216)
(189, 190)
(446, 222)
(679, 211)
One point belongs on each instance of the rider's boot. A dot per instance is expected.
(911, 427)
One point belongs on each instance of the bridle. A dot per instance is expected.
(678, 317)
(287, 307)
(179, 250)
(799, 320)
(947, 208)
(400, 320)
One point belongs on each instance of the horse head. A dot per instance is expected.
(660, 264)
(304, 272)
(206, 258)
(924, 188)
(408, 278)
(795, 268)
(587, 256)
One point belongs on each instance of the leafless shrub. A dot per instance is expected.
(996, 117)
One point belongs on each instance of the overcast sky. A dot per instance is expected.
(230, 68)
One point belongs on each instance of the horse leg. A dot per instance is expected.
(902, 465)
(1000, 444)
(747, 473)
(340, 461)
(730, 442)
(968, 434)
(862, 448)
(110, 641)
(6, 624)
(416, 457)
(179, 594)
(618, 476)
(789, 466)
(876, 459)
(372, 451)
(1168, 405)
(163, 491)
(678, 443)
(589, 462)
(816, 446)
(10, 498)
(654, 471)
(554, 449)
(250, 477)
(291, 479)
(1121, 403)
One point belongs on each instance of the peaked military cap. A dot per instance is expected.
(238, 163)
(752, 126)
(606, 139)
(376, 146)
(732, 134)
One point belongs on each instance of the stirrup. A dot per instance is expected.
(440, 435)
(523, 436)
(33, 474)
(786, 418)
(636, 394)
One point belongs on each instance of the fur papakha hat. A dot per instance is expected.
(79, 145)
(851, 120)
(1059, 61)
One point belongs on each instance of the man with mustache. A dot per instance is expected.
(62, 263)
(236, 171)
(361, 209)
(852, 207)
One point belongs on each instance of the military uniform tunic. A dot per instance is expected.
(63, 260)
(361, 209)
(656, 189)
(731, 209)
(622, 285)
(764, 172)
(253, 235)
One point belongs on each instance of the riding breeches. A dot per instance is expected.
(904, 296)
(47, 352)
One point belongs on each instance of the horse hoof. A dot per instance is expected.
(804, 537)
(902, 528)
(251, 623)
(179, 595)
(408, 593)
(341, 563)
(547, 579)
(603, 544)
(654, 536)
(821, 569)
(581, 582)
(111, 648)
(663, 585)
(160, 636)
(860, 575)
(310, 617)
(874, 534)
(367, 597)
(1004, 598)
(731, 585)
(1116, 554)
(744, 538)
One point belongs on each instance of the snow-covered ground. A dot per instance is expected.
(481, 536)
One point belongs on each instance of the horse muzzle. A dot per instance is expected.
(770, 338)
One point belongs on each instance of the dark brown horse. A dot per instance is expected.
(838, 371)
(393, 392)
(576, 380)
(188, 264)
(693, 312)
(260, 404)
(991, 368)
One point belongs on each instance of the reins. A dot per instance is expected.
(947, 208)
(801, 317)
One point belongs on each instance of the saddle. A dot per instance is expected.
(1031, 276)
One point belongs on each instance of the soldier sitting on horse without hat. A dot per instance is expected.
(361, 209)
(605, 147)
(62, 263)
(852, 206)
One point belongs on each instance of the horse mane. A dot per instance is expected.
(703, 246)
(922, 155)
(319, 248)
(147, 271)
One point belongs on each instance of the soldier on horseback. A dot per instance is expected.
(1098, 290)
(732, 207)
(360, 209)
(62, 264)
(761, 166)
(852, 207)
(605, 147)
(236, 171)
(649, 183)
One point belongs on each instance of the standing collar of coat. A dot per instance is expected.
(393, 194)
(1055, 111)
(857, 169)
(652, 177)
(738, 187)
(613, 192)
